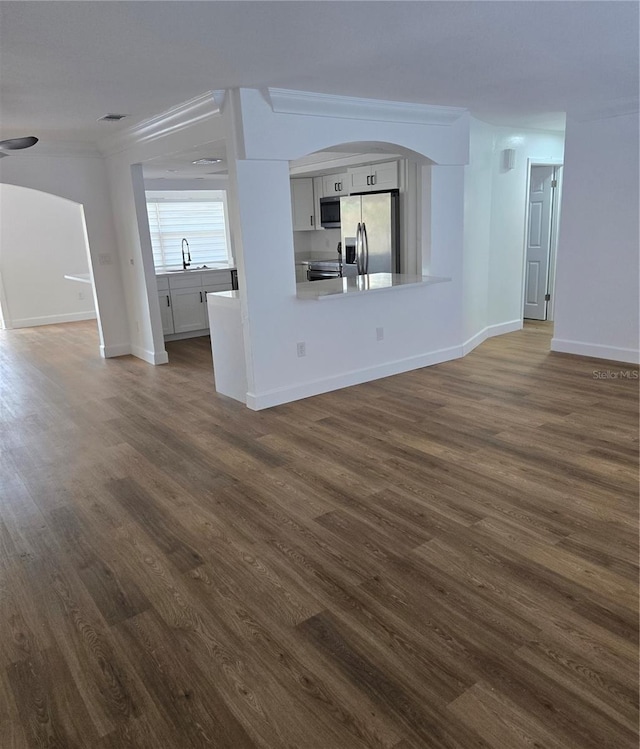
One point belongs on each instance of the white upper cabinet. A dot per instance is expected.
(302, 205)
(335, 184)
(372, 177)
(317, 194)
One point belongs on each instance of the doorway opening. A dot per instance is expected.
(45, 267)
(544, 189)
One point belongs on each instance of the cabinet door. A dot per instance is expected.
(318, 192)
(335, 184)
(384, 176)
(302, 208)
(166, 315)
(189, 311)
(359, 179)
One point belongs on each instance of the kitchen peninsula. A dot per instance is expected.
(369, 283)
(225, 319)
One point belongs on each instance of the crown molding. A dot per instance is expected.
(615, 108)
(171, 121)
(348, 107)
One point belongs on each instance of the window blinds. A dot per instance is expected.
(201, 223)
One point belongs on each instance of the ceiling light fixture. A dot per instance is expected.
(112, 117)
(206, 160)
(17, 144)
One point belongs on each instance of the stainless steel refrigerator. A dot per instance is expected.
(369, 228)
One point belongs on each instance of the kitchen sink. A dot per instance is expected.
(186, 270)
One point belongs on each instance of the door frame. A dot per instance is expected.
(553, 248)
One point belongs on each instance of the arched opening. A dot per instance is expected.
(45, 267)
(329, 190)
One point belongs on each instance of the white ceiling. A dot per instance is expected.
(65, 64)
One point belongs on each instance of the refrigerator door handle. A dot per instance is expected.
(359, 249)
(365, 247)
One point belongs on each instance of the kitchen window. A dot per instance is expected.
(200, 217)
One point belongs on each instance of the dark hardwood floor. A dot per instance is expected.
(445, 558)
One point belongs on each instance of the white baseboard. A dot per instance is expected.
(32, 322)
(596, 350)
(118, 349)
(278, 396)
(160, 357)
(489, 332)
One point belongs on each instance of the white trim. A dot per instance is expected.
(118, 349)
(489, 332)
(160, 357)
(277, 396)
(171, 121)
(32, 322)
(353, 108)
(596, 350)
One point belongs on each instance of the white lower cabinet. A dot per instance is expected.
(189, 311)
(183, 300)
(166, 314)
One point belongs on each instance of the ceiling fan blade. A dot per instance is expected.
(15, 144)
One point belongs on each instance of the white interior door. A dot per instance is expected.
(541, 186)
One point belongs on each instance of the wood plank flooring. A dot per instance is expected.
(442, 559)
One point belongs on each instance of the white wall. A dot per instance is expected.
(597, 269)
(316, 244)
(81, 178)
(477, 228)
(42, 238)
(422, 324)
(187, 183)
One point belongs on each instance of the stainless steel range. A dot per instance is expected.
(317, 270)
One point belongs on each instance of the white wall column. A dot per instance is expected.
(596, 310)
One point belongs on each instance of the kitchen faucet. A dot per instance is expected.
(185, 264)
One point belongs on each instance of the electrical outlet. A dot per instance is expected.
(104, 258)
(81, 295)
(131, 261)
(301, 348)
(379, 334)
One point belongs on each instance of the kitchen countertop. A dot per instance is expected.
(223, 297)
(180, 271)
(332, 288)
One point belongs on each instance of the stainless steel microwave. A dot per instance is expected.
(330, 213)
